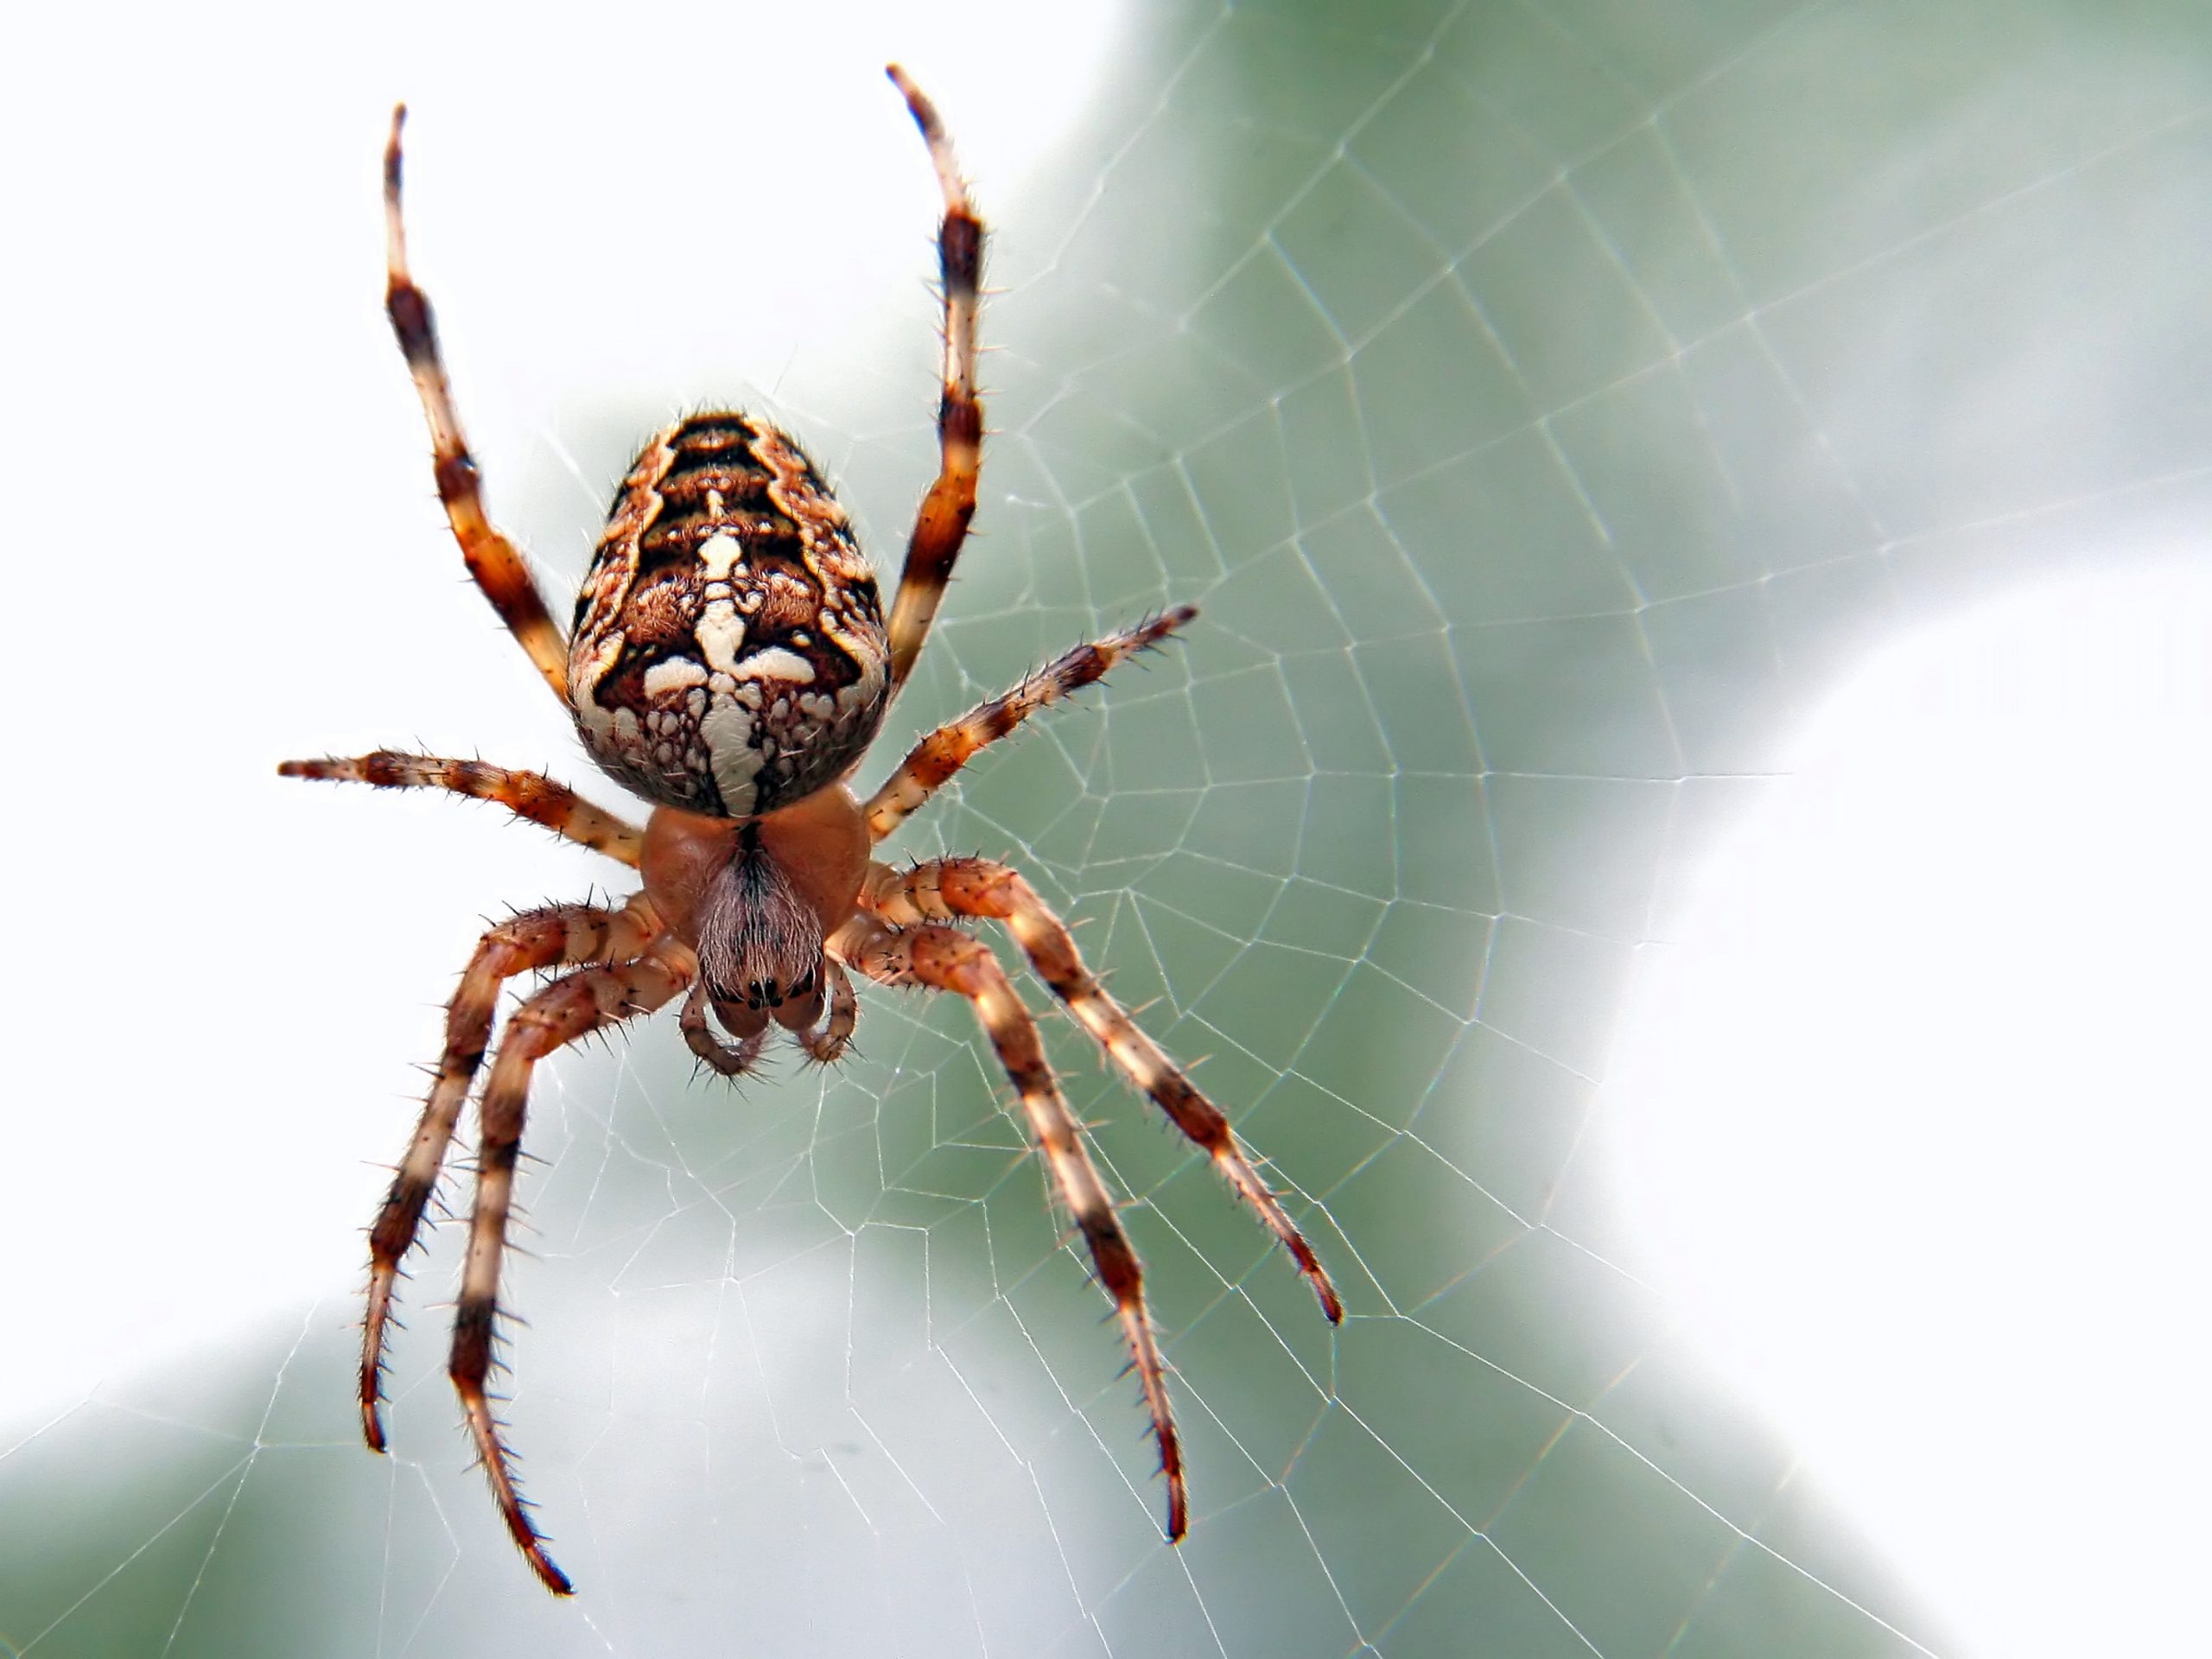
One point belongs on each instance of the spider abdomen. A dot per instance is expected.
(728, 655)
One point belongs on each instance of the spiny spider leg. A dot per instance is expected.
(557, 936)
(950, 888)
(493, 561)
(931, 762)
(526, 794)
(557, 1016)
(948, 960)
(941, 525)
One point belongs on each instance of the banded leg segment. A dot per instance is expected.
(526, 794)
(949, 888)
(948, 960)
(492, 559)
(933, 760)
(555, 936)
(557, 1016)
(941, 525)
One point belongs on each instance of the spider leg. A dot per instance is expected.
(493, 561)
(944, 958)
(557, 936)
(568, 1008)
(933, 761)
(948, 888)
(526, 794)
(941, 524)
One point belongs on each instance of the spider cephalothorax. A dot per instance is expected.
(730, 662)
(756, 900)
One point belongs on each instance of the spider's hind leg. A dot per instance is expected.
(941, 525)
(493, 559)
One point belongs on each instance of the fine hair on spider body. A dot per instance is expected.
(759, 943)
(755, 899)
(729, 663)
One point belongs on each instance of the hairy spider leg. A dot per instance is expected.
(946, 959)
(526, 794)
(570, 1008)
(557, 936)
(492, 559)
(931, 762)
(949, 889)
(941, 524)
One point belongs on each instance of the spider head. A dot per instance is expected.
(760, 944)
(756, 899)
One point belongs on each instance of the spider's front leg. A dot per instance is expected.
(948, 889)
(568, 1008)
(945, 959)
(558, 936)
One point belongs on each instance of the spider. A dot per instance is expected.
(729, 663)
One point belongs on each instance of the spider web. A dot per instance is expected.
(1549, 407)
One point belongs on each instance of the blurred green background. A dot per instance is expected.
(1545, 403)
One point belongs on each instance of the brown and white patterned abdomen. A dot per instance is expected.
(729, 654)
